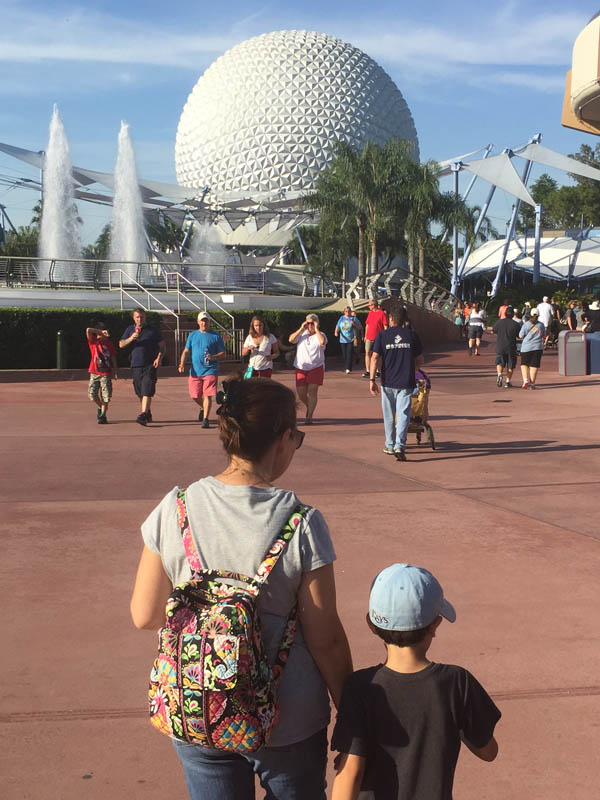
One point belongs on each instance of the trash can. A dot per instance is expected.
(572, 353)
(593, 353)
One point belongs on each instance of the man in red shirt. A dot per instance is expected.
(502, 310)
(102, 369)
(376, 322)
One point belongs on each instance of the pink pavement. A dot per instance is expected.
(504, 513)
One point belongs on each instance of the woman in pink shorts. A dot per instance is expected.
(309, 362)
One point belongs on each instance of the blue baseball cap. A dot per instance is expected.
(406, 598)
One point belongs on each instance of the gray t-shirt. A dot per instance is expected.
(233, 528)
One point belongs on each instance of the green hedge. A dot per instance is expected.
(28, 335)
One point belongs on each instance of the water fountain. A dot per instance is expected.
(59, 230)
(207, 256)
(128, 240)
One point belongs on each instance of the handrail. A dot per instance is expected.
(140, 287)
(413, 289)
(179, 277)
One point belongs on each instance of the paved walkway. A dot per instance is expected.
(503, 512)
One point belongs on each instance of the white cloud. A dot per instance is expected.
(506, 45)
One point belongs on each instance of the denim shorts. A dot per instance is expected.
(294, 772)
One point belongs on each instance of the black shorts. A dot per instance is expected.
(507, 359)
(531, 359)
(475, 331)
(144, 380)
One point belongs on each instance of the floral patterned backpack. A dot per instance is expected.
(211, 683)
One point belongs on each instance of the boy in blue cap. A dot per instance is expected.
(400, 724)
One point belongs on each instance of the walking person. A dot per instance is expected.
(346, 329)
(533, 335)
(459, 319)
(396, 353)
(546, 313)
(476, 324)
(262, 346)
(570, 317)
(401, 724)
(205, 349)
(507, 333)
(376, 322)
(102, 369)
(231, 520)
(310, 344)
(147, 350)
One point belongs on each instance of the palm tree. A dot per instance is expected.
(366, 187)
(427, 205)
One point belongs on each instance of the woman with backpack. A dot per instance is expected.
(210, 686)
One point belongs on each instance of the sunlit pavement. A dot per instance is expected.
(504, 512)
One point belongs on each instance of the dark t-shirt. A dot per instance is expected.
(594, 317)
(144, 349)
(408, 727)
(507, 333)
(398, 348)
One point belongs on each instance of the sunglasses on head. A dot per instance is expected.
(299, 438)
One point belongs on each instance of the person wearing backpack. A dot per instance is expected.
(212, 684)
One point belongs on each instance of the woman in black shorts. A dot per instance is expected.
(532, 334)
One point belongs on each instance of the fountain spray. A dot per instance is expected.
(128, 240)
(59, 230)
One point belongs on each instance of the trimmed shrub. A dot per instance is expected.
(28, 335)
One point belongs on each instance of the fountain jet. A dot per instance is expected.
(128, 239)
(59, 230)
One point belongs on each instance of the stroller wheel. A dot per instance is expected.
(418, 437)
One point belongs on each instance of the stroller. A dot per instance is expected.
(419, 411)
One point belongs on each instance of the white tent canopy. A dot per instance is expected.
(560, 257)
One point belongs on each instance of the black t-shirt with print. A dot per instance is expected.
(408, 727)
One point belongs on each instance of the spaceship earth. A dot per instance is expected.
(265, 115)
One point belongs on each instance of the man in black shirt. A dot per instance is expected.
(507, 333)
(400, 725)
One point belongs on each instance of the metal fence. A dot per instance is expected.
(94, 274)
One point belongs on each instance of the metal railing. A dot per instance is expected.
(89, 273)
(173, 282)
(409, 286)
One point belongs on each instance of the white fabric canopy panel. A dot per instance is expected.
(558, 255)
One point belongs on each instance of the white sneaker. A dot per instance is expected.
(347, 372)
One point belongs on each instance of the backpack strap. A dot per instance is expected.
(263, 572)
(193, 558)
(276, 550)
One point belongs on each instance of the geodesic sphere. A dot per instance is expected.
(266, 114)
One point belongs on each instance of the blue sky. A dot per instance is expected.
(471, 75)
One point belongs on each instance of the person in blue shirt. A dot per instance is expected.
(346, 329)
(206, 349)
(532, 333)
(396, 352)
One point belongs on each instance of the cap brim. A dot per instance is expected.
(447, 611)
